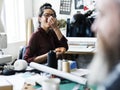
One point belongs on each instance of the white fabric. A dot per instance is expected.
(1, 24)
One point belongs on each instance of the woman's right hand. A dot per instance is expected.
(53, 22)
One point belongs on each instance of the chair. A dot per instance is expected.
(22, 52)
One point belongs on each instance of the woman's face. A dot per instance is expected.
(44, 19)
(107, 23)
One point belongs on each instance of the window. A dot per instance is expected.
(14, 20)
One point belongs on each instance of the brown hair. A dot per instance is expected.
(46, 6)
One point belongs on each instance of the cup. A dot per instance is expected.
(51, 84)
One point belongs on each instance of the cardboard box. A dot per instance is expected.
(5, 84)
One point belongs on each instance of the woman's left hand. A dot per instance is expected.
(60, 50)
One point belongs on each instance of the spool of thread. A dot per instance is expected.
(65, 66)
(73, 65)
(59, 65)
(51, 59)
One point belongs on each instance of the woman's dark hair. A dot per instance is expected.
(46, 6)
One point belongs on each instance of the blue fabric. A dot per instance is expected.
(22, 53)
(112, 82)
(115, 85)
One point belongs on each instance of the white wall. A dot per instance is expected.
(28, 8)
(55, 5)
(13, 49)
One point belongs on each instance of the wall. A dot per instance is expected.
(13, 49)
(55, 5)
(28, 5)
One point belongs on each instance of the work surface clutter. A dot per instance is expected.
(34, 79)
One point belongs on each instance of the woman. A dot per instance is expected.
(47, 37)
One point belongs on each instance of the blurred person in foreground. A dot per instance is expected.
(105, 66)
(47, 37)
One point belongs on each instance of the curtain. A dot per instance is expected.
(1, 24)
(29, 30)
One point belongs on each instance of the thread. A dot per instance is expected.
(59, 65)
(51, 59)
(65, 66)
(73, 65)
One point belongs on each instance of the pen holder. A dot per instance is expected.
(51, 59)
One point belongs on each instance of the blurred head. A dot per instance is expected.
(45, 12)
(107, 29)
(107, 26)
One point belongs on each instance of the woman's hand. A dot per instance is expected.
(59, 51)
(54, 25)
(53, 22)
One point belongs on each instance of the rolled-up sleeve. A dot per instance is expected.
(31, 49)
(63, 42)
(28, 55)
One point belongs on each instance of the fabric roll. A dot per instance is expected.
(59, 73)
(29, 30)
